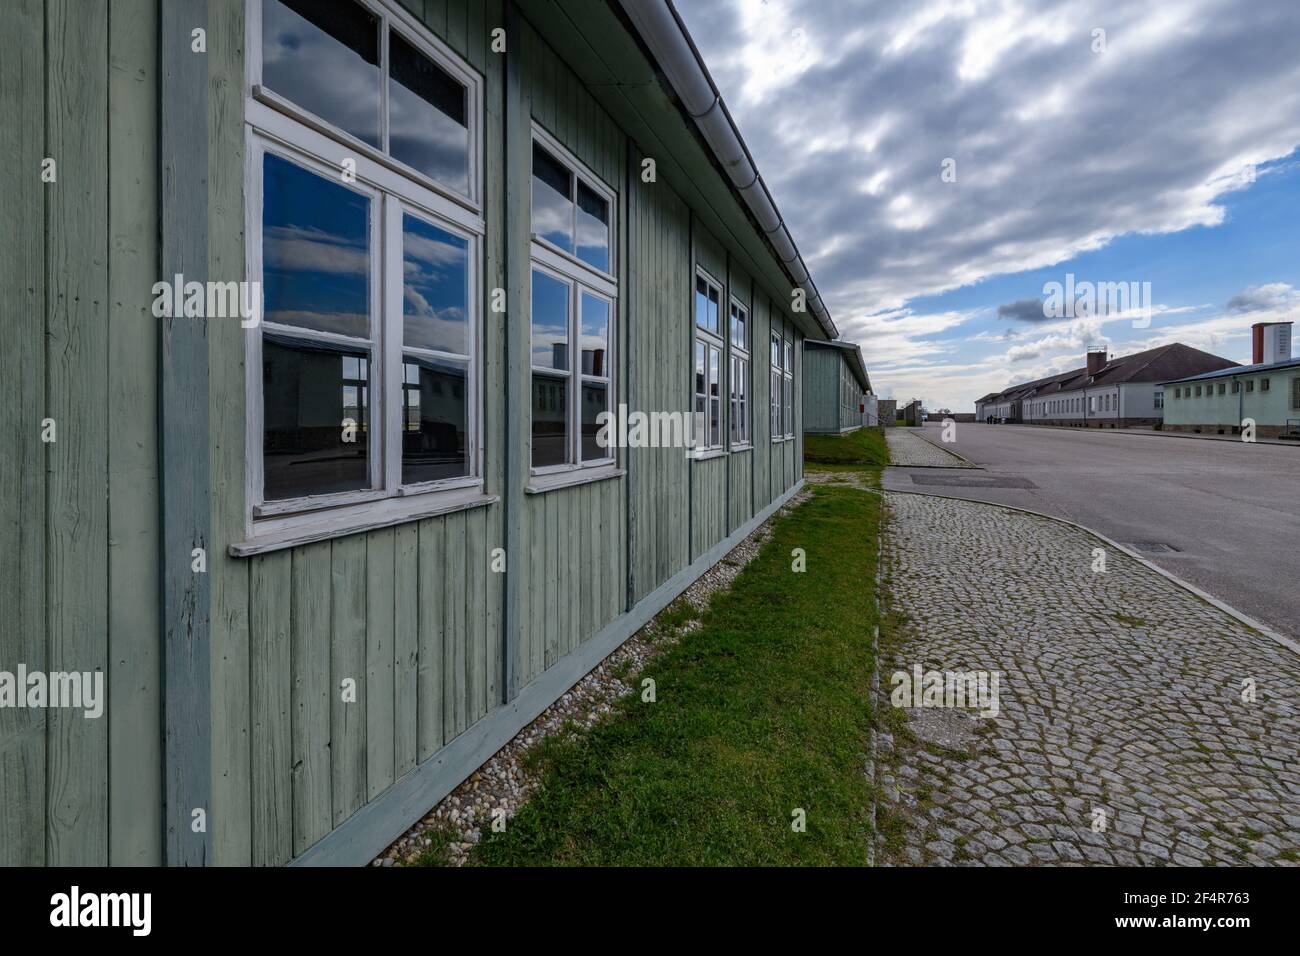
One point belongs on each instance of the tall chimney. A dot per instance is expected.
(1270, 342)
(1096, 361)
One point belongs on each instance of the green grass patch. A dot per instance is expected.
(764, 709)
(864, 448)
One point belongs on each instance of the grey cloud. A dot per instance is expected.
(1263, 298)
(1023, 310)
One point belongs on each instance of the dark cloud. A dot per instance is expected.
(1023, 310)
(1263, 298)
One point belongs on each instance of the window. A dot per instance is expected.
(708, 362)
(1236, 387)
(363, 376)
(1250, 384)
(1295, 393)
(788, 373)
(1198, 391)
(1160, 399)
(366, 74)
(775, 387)
(1222, 388)
(739, 379)
(574, 296)
(1263, 384)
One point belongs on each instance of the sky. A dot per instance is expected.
(940, 163)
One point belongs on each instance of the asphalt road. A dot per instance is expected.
(1223, 515)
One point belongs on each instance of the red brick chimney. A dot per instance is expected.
(1096, 361)
(1257, 343)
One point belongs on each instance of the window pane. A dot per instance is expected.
(550, 322)
(325, 58)
(776, 351)
(315, 251)
(435, 289)
(593, 228)
(435, 419)
(428, 125)
(595, 335)
(308, 392)
(701, 303)
(550, 421)
(713, 310)
(700, 394)
(595, 399)
(552, 199)
(738, 322)
(715, 398)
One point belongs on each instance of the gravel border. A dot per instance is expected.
(502, 783)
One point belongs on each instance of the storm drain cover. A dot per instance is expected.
(973, 481)
(1151, 547)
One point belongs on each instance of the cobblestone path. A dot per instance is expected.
(1122, 735)
(909, 449)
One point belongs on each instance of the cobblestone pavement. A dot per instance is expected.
(1120, 706)
(909, 449)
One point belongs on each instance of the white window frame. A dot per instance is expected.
(711, 342)
(787, 393)
(775, 386)
(580, 277)
(393, 189)
(739, 371)
(269, 111)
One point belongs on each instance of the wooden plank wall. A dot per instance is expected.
(78, 521)
(573, 539)
(410, 614)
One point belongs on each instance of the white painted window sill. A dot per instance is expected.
(541, 484)
(708, 455)
(290, 532)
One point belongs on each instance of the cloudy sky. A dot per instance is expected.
(941, 162)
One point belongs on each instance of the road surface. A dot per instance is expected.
(1223, 515)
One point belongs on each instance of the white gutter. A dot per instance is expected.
(665, 34)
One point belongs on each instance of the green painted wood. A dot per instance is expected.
(272, 713)
(348, 662)
(454, 637)
(429, 682)
(135, 652)
(475, 614)
(77, 552)
(458, 26)
(555, 560)
(312, 694)
(184, 448)
(232, 797)
(381, 637)
(23, 285)
(406, 649)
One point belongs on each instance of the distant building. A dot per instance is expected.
(913, 413)
(1267, 391)
(887, 411)
(1105, 393)
(835, 389)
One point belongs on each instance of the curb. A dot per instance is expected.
(1185, 585)
(875, 682)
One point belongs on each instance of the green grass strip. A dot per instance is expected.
(763, 710)
(865, 447)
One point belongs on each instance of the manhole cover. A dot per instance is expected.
(972, 481)
(1152, 547)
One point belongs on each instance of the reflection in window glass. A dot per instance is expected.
(701, 395)
(550, 436)
(715, 399)
(435, 419)
(550, 322)
(595, 399)
(315, 251)
(593, 228)
(595, 335)
(552, 199)
(435, 288)
(325, 58)
(310, 392)
(427, 122)
(701, 302)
